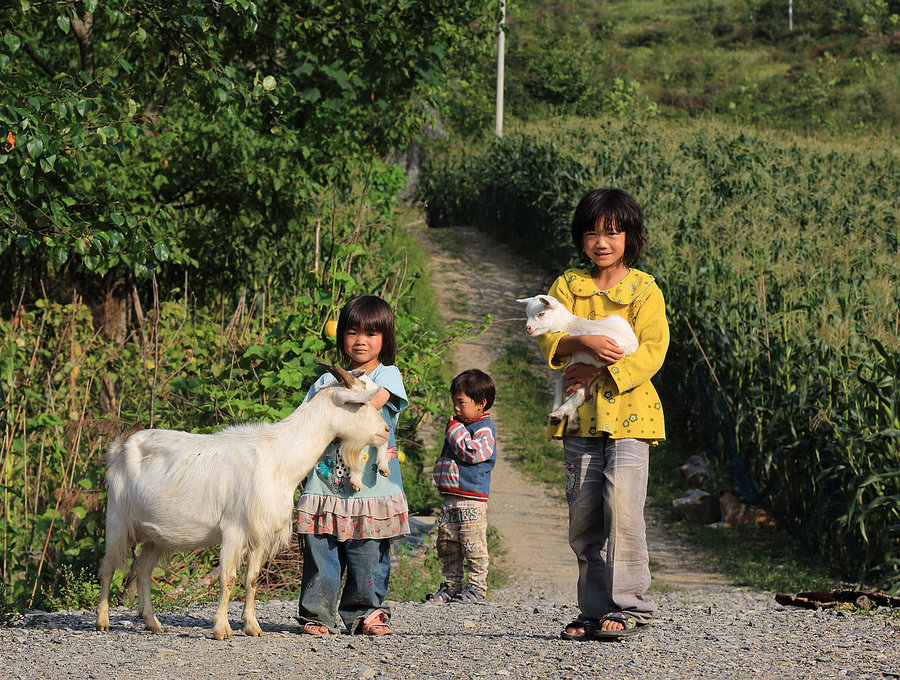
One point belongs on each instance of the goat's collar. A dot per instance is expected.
(624, 292)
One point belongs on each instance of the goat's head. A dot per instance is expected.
(363, 424)
(543, 314)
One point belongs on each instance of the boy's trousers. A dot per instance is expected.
(462, 535)
(606, 486)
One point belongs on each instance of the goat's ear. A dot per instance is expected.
(524, 301)
(545, 300)
(347, 396)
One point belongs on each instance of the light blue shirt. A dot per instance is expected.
(330, 477)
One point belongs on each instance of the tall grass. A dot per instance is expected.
(779, 264)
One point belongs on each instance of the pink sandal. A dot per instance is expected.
(375, 624)
(313, 628)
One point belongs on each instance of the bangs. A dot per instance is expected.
(369, 314)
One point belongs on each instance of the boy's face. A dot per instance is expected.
(467, 410)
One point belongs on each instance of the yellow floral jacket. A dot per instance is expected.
(625, 404)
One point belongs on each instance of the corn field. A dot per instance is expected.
(780, 265)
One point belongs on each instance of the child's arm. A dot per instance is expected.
(380, 399)
(470, 448)
(652, 330)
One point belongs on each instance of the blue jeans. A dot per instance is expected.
(606, 486)
(367, 563)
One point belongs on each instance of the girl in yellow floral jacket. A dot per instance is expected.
(607, 460)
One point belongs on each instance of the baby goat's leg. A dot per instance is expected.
(569, 410)
(251, 580)
(555, 415)
(382, 460)
(143, 567)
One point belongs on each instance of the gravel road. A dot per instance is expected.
(726, 634)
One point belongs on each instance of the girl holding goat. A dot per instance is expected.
(607, 457)
(342, 529)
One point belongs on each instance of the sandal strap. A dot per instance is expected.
(587, 625)
(628, 622)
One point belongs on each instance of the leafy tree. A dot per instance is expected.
(160, 138)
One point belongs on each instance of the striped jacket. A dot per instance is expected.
(469, 454)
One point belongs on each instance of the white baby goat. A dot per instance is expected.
(547, 315)
(172, 491)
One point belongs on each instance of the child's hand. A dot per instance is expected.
(602, 348)
(577, 376)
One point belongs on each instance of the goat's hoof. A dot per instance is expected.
(355, 486)
(101, 626)
(555, 420)
(385, 472)
(252, 630)
(222, 633)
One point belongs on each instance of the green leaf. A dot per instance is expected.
(269, 83)
(12, 41)
(161, 251)
(90, 5)
(35, 147)
(63, 22)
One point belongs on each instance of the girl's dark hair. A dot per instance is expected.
(615, 209)
(369, 313)
(476, 385)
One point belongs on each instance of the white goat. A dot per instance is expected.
(547, 315)
(173, 491)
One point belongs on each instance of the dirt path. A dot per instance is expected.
(473, 276)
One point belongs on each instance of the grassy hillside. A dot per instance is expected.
(837, 71)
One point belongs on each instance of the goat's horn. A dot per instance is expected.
(343, 375)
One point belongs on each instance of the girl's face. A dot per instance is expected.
(604, 246)
(363, 348)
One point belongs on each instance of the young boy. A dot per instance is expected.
(463, 476)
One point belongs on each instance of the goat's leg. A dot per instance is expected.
(555, 416)
(229, 557)
(143, 567)
(382, 460)
(569, 410)
(354, 462)
(574, 420)
(251, 581)
(115, 540)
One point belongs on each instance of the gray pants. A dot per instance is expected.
(606, 486)
(462, 537)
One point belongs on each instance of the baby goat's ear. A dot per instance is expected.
(545, 300)
(524, 301)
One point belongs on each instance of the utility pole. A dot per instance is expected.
(501, 50)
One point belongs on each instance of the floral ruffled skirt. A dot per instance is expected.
(353, 518)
